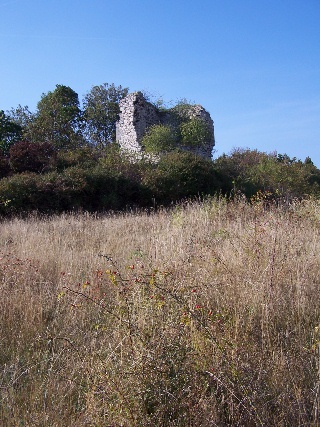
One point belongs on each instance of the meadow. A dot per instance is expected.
(206, 314)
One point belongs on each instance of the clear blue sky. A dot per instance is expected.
(253, 64)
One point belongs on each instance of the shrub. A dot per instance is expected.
(32, 157)
(159, 139)
(4, 165)
(181, 174)
(85, 157)
(74, 189)
(20, 189)
(251, 171)
(194, 133)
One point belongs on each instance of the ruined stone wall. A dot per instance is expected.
(137, 115)
(197, 111)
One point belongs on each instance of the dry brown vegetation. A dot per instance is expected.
(204, 315)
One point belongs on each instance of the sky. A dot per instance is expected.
(253, 64)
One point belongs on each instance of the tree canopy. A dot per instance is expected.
(59, 118)
(101, 112)
(10, 132)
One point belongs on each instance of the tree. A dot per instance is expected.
(22, 116)
(101, 112)
(159, 139)
(58, 119)
(10, 133)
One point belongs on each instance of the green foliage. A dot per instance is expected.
(181, 129)
(250, 171)
(21, 190)
(10, 133)
(178, 115)
(58, 119)
(76, 188)
(194, 133)
(84, 157)
(181, 174)
(235, 170)
(23, 117)
(121, 165)
(101, 112)
(159, 139)
(97, 181)
(286, 179)
(182, 110)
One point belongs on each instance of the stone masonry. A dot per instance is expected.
(137, 115)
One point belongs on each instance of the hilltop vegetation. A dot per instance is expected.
(64, 157)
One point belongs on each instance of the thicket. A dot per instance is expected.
(93, 180)
(63, 157)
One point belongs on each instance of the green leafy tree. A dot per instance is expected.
(22, 116)
(101, 112)
(10, 133)
(58, 119)
(159, 139)
(285, 159)
(84, 157)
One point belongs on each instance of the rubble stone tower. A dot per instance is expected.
(137, 115)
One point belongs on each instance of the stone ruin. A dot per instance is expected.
(137, 115)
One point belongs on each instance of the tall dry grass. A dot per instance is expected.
(205, 315)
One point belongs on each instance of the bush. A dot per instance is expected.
(31, 156)
(181, 174)
(159, 139)
(195, 133)
(85, 157)
(109, 192)
(251, 171)
(20, 190)
(4, 165)
(94, 189)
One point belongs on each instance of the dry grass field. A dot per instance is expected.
(204, 315)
